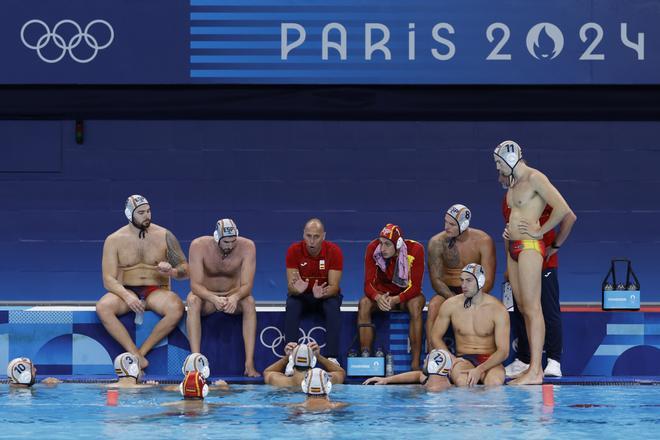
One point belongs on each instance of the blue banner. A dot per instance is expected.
(330, 42)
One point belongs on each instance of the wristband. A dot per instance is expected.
(554, 245)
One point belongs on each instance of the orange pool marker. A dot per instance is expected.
(548, 394)
(112, 398)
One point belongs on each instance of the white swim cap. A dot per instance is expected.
(197, 362)
(225, 228)
(127, 365)
(132, 204)
(316, 382)
(477, 272)
(437, 362)
(461, 215)
(510, 152)
(19, 371)
(301, 357)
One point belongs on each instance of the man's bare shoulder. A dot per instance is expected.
(495, 304)
(453, 302)
(247, 243)
(481, 235)
(536, 177)
(117, 235)
(204, 240)
(436, 242)
(157, 229)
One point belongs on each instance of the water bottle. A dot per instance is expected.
(379, 352)
(139, 316)
(389, 365)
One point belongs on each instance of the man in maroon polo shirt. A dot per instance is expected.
(313, 272)
(393, 272)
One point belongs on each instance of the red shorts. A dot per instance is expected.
(143, 291)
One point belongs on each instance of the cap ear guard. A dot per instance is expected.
(393, 233)
(306, 359)
(477, 272)
(225, 227)
(127, 365)
(437, 362)
(317, 382)
(510, 152)
(19, 371)
(461, 215)
(132, 203)
(196, 362)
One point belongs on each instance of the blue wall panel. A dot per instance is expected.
(271, 176)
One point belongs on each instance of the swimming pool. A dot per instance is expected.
(259, 411)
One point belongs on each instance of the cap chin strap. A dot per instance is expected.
(468, 301)
(143, 230)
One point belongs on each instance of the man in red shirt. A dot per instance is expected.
(393, 272)
(313, 272)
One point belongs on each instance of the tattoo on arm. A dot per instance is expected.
(450, 255)
(175, 255)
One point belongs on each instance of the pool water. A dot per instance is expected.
(257, 411)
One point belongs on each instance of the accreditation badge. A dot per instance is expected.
(321, 264)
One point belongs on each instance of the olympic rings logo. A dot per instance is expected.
(67, 46)
(278, 338)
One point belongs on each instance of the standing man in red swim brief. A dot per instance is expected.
(138, 261)
(529, 192)
(549, 301)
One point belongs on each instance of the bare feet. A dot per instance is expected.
(251, 372)
(529, 378)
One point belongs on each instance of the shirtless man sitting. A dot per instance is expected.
(434, 376)
(529, 192)
(452, 249)
(222, 270)
(138, 261)
(481, 329)
(298, 359)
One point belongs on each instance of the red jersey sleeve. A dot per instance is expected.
(336, 258)
(506, 211)
(292, 256)
(370, 271)
(417, 272)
